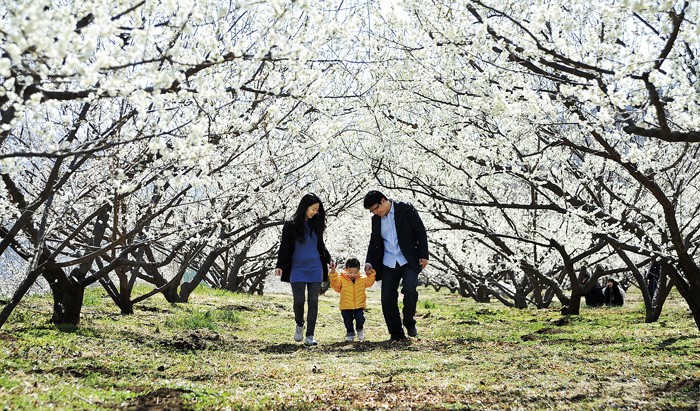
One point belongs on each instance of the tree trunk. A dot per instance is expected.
(663, 288)
(170, 292)
(537, 292)
(126, 307)
(689, 290)
(234, 272)
(67, 297)
(482, 294)
(463, 289)
(574, 305)
(547, 299)
(187, 287)
(693, 300)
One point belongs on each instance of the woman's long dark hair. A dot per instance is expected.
(317, 223)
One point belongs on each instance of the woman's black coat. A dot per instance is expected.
(284, 257)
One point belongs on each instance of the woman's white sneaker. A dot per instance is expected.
(299, 334)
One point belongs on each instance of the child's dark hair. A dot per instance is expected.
(352, 263)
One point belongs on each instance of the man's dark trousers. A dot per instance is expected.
(390, 296)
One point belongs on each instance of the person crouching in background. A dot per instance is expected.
(614, 294)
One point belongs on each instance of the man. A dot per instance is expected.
(653, 275)
(398, 251)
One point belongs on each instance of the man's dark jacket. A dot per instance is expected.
(287, 245)
(410, 230)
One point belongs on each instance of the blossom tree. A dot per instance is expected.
(588, 108)
(123, 124)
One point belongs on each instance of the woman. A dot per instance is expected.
(303, 261)
(614, 294)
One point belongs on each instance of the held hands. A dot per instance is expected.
(369, 272)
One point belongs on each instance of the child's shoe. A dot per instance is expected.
(350, 337)
(361, 335)
(310, 340)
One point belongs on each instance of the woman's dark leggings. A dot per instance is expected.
(298, 291)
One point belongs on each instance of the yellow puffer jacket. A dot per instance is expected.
(352, 294)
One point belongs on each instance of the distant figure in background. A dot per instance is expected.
(653, 274)
(351, 284)
(303, 261)
(595, 296)
(613, 294)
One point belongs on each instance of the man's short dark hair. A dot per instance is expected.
(372, 198)
(352, 263)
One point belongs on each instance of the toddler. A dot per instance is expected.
(351, 285)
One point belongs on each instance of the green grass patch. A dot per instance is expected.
(226, 351)
(93, 296)
(203, 319)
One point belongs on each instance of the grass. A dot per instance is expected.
(232, 351)
(203, 319)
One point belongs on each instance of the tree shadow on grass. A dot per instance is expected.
(78, 371)
(366, 346)
(168, 399)
(681, 387)
(284, 348)
(667, 343)
(341, 347)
